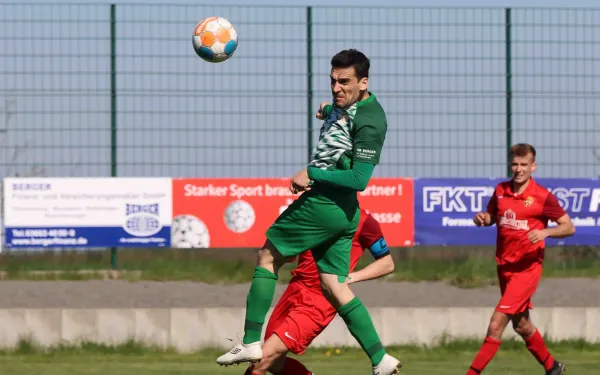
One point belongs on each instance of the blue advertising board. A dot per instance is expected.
(444, 210)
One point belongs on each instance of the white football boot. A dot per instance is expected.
(242, 353)
(388, 366)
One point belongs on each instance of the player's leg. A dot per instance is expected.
(276, 361)
(294, 324)
(491, 343)
(333, 261)
(285, 238)
(258, 301)
(523, 325)
(292, 366)
(273, 359)
(282, 324)
(496, 328)
(535, 343)
(289, 366)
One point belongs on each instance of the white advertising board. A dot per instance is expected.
(87, 212)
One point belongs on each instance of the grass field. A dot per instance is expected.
(468, 267)
(452, 358)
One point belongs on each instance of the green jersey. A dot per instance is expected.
(325, 218)
(354, 134)
(348, 136)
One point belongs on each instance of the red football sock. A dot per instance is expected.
(538, 348)
(484, 356)
(249, 371)
(293, 367)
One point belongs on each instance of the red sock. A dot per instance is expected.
(293, 367)
(538, 348)
(484, 356)
(249, 370)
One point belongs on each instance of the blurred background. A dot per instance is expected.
(96, 90)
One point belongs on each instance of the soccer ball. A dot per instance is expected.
(239, 216)
(187, 231)
(215, 39)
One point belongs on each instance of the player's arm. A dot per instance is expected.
(356, 178)
(368, 142)
(324, 111)
(380, 267)
(488, 217)
(553, 211)
(564, 229)
(371, 237)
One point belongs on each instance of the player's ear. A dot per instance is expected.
(533, 166)
(363, 83)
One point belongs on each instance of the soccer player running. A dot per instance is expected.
(326, 216)
(302, 312)
(521, 209)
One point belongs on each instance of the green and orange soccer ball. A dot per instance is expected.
(215, 39)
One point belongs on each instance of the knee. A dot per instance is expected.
(524, 328)
(270, 357)
(268, 257)
(336, 291)
(264, 257)
(496, 328)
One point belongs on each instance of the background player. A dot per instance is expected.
(521, 209)
(302, 312)
(325, 217)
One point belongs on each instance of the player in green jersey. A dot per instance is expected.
(325, 217)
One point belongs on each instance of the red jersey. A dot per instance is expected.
(368, 235)
(516, 215)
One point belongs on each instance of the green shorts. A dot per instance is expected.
(318, 223)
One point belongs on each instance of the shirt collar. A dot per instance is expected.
(530, 186)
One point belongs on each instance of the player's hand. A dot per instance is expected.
(480, 219)
(322, 113)
(536, 235)
(300, 182)
(350, 278)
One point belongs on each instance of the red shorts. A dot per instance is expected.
(518, 283)
(300, 315)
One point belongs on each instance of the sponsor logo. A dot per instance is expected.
(509, 219)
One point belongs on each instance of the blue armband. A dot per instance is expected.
(379, 249)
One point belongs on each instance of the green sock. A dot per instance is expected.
(361, 326)
(258, 303)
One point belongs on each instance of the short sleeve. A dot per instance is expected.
(371, 237)
(492, 206)
(368, 142)
(552, 209)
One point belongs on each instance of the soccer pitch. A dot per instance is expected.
(452, 360)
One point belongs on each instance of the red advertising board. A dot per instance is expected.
(231, 213)
(390, 201)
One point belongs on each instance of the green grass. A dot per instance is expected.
(130, 358)
(464, 267)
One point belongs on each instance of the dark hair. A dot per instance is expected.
(354, 58)
(522, 150)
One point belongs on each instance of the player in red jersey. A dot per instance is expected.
(521, 209)
(302, 312)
